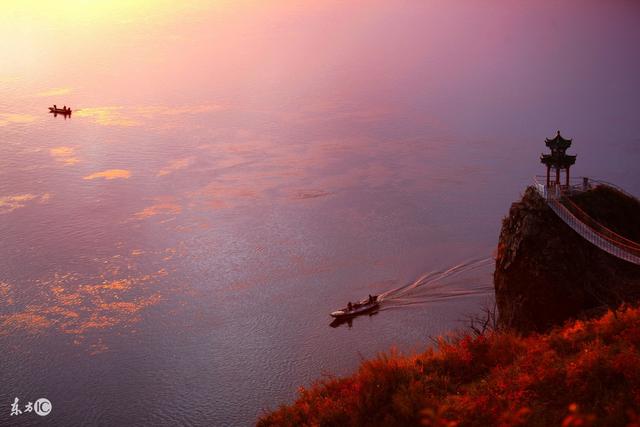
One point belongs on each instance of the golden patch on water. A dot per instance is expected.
(166, 208)
(10, 118)
(113, 300)
(65, 155)
(54, 92)
(66, 298)
(74, 307)
(169, 254)
(60, 312)
(138, 115)
(5, 294)
(11, 203)
(176, 165)
(110, 174)
(29, 321)
(97, 320)
(126, 307)
(106, 315)
(111, 285)
(107, 116)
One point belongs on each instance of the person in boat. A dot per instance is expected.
(64, 108)
(349, 306)
(55, 107)
(370, 300)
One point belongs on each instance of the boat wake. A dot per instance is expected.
(469, 278)
(472, 278)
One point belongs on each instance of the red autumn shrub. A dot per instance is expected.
(585, 373)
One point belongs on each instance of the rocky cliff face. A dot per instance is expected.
(546, 273)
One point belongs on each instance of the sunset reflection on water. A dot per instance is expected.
(233, 171)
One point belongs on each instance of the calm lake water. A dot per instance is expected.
(234, 171)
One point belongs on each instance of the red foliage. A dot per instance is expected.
(587, 373)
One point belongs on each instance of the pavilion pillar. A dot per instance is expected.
(567, 176)
(548, 175)
(557, 175)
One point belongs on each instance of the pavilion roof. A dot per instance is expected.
(562, 160)
(558, 142)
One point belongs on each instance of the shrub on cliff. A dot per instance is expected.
(585, 373)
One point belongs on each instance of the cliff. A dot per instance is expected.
(546, 273)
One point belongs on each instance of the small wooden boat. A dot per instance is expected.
(358, 308)
(60, 110)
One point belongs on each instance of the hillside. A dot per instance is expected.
(585, 373)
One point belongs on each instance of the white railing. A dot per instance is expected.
(617, 246)
(590, 234)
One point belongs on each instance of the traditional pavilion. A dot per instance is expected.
(558, 159)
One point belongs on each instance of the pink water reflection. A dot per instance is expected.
(234, 170)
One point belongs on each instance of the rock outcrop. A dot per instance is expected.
(547, 274)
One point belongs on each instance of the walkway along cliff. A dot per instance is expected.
(568, 249)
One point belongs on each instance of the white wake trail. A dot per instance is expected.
(468, 278)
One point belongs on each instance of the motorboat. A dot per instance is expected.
(355, 309)
(60, 110)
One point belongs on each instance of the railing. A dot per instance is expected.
(584, 225)
(557, 189)
(609, 234)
